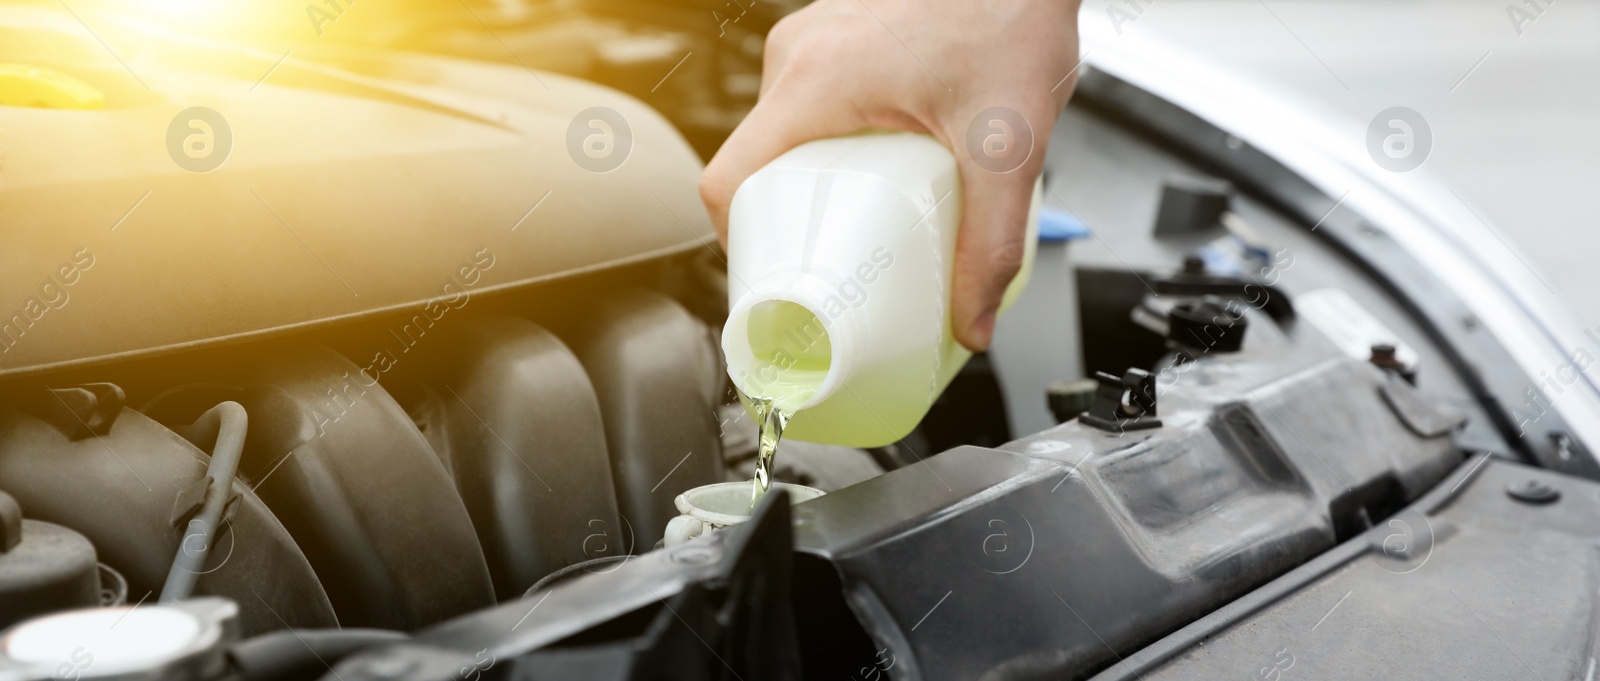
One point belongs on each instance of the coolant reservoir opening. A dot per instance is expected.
(724, 504)
(786, 354)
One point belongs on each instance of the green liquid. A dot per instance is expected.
(770, 422)
(795, 349)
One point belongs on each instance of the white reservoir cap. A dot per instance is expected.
(118, 639)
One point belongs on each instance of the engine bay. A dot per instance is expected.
(429, 417)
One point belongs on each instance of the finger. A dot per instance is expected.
(997, 179)
(989, 250)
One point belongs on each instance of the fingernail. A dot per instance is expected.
(983, 328)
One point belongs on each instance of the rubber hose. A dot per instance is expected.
(224, 424)
(302, 654)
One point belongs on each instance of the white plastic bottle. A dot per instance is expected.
(840, 257)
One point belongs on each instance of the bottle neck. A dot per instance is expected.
(787, 340)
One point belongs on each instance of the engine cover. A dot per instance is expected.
(339, 194)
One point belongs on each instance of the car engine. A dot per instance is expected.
(405, 386)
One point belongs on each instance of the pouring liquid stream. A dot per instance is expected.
(770, 422)
(793, 345)
(778, 403)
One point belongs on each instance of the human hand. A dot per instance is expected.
(930, 66)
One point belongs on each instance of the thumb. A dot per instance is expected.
(1000, 159)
